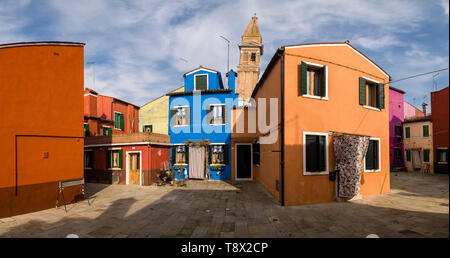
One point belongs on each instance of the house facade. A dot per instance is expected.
(104, 115)
(153, 115)
(396, 117)
(200, 127)
(329, 96)
(440, 116)
(418, 143)
(41, 105)
(411, 111)
(135, 158)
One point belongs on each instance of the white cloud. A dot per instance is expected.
(444, 4)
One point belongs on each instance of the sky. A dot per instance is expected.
(142, 48)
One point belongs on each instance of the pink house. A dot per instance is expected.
(396, 117)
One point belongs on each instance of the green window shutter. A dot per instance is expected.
(109, 131)
(209, 155)
(122, 122)
(323, 81)
(425, 130)
(225, 154)
(426, 155)
(116, 120)
(407, 132)
(303, 72)
(186, 149)
(86, 130)
(120, 158)
(380, 95)
(173, 155)
(201, 82)
(408, 155)
(362, 91)
(108, 159)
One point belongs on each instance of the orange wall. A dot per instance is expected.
(41, 93)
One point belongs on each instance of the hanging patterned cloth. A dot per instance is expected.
(349, 152)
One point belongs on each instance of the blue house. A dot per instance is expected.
(200, 125)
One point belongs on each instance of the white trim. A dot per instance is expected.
(251, 162)
(372, 108)
(379, 157)
(326, 81)
(343, 44)
(199, 69)
(24, 44)
(225, 111)
(90, 94)
(127, 173)
(115, 120)
(195, 81)
(305, 173)
(371, 80)
(127, 144)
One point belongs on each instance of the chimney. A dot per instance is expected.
(425, 108)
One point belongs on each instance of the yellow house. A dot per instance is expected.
(418, 141)
(154, 116)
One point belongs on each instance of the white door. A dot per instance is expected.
(197, 162)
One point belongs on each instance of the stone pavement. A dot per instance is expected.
(418, 206)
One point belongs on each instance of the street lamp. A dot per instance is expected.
(93, 69)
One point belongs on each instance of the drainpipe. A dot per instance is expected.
(281, 55)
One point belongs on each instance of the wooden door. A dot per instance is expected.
(135, 171)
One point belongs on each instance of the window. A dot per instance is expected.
(408, 155)
(201, 82)
(218, 154)
(180, 116)
(425, 131)
(407, 132)
(118, 121)
(148, 128)
(426, 155)
(315, 153)
(86, 130)
(88, 159)
(253, 57)
(313, 80)
(442, 155)
(397, 154)
(107, 130)
(256, 154)
(371, 93)
(180, 154)
(398, 131)
(372, 159)
(216, 114)
(114, 158)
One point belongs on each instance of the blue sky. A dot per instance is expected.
(138, 45)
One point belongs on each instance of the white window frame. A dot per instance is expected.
(367, 106)
(176, 107)
(115, 120)
(326, 81)
(143, 126)
(211, 154)
(103, 126)
(379, 158)
(223, 114)
(195, 80)
(127, 173)
(305, 173)
(444, 149)
(113, 149)
(185, 150)
(85, 158)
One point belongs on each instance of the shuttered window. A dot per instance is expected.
(372, 156)
(426, 155)
(425, 131)
(407, 132)
(315, 153)
(86, 130)
(219, 154)
(371, 93)
(408, 155)
(114, 158)
(107, 130)
(180, 116)
(312, 80)
(118, 121)
(201, 82)
(217, 114)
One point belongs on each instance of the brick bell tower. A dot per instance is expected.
(251, 49)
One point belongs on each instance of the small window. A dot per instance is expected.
(118, 121)
(442, 156)
(86, 130)
(407, 132)
(180, 116)
(315, 156)
(398, 131)
(106, 130)
(313, 80)
(372, 159)
(408, 155)
(425, 131)
(114, 159)
(148, 128)
(88, 159)
(201, 82)
(180, 154)
(253, 57)
(397, 154)
(216, 114)
(426, 155)
(371, 93)
(217, 154)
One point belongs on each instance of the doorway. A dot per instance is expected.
(196, 162)
(244, 161)
(416, 160)
(134, 168)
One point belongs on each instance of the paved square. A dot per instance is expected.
(418, 206)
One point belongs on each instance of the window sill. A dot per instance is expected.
(217, 164)
(315, 173)
(372, 171)
(115, 168)
(315, 97)
(442, 162)
(217, 124)
(179, 125)
(372, 108)
(180, 164)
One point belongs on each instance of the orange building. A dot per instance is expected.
(325, 92)
(41, 116)
(104, 115)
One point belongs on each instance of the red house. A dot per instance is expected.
(105, 115)
(439, 115)
(135, 158)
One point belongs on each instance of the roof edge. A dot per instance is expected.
(42, 43)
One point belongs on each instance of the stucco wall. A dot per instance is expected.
(417, 141)
(440, 116)
(396, 117)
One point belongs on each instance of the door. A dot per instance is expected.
(197, 162)
(244, 161)
(135, 170)
(416, 161)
